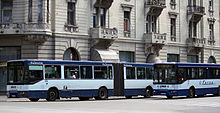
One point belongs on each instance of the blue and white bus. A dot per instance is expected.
(186, 79)
(51, 80)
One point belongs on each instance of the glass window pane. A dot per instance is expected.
(52, 72)
(130, 72)
(149, 74)
(126, 56)
(110, 72)
(140, 73)
(86, 72)
(100, 72)
(71, 72)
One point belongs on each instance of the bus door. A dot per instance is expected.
(118, 79)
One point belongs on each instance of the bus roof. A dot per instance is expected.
(67, 62)
(191, 64)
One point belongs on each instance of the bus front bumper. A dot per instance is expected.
(170, 92)
(27, 94)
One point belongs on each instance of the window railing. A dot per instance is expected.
(156, 38)
(105, 33)
(14, 28)
(156, 2)
(197, 42)
(196, 9)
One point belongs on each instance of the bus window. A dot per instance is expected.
(86, 72)
(193, 73)
(100, 72)
(52, 72)
(149, 74)
(140, 73)
(71, 72)
(202, 73)
(182, 75)
(218, 73)
(35, 73)
(130, 72)
(110, 72)
(212, 73)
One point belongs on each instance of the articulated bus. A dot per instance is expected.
(51, 80)
(186, 79)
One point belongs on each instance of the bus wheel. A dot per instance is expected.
(148, 92)
(33, 99)
(83, 98)
(191, 93)
(169, 97)
(52, 95)
(128, 97)
(102, 94)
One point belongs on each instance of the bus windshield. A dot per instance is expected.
(19, 74)
(165, 73)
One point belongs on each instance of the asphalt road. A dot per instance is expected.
(156, 104)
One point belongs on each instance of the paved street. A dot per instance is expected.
(155, 104)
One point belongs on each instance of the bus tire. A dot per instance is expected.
(83, 98)
(128, 97)
(148, 92)
(191, 93)
(33, 99)
(169, 97)
(102, 94)
(52, 94)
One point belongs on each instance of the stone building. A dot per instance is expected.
(110, 30)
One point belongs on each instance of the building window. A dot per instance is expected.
(9, 53)
(6, 11)
(192, 29)
(192, 59)
(99, 17)
(126, 56)
(70, 54)
(211, 6)
(192, 2)
(48, 11)
(154, 24)
(173, 58)
(148, 24)
(40, 10)
(211, 31)
(127, 23)
(211, 59)
(30, 5)
(173, 29)
(173, 4)
(71, 13)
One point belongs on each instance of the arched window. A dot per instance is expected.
(71, 54)
(211, 59)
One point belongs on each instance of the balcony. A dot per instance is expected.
(196, 42)
(155, 7)
(195, 13)
(103, 37)
(24, 28)
(155, 38)
(11, 28)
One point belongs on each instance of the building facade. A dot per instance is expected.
(110, 30)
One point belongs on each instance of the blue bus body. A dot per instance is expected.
(34, 79)
(186, 79)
